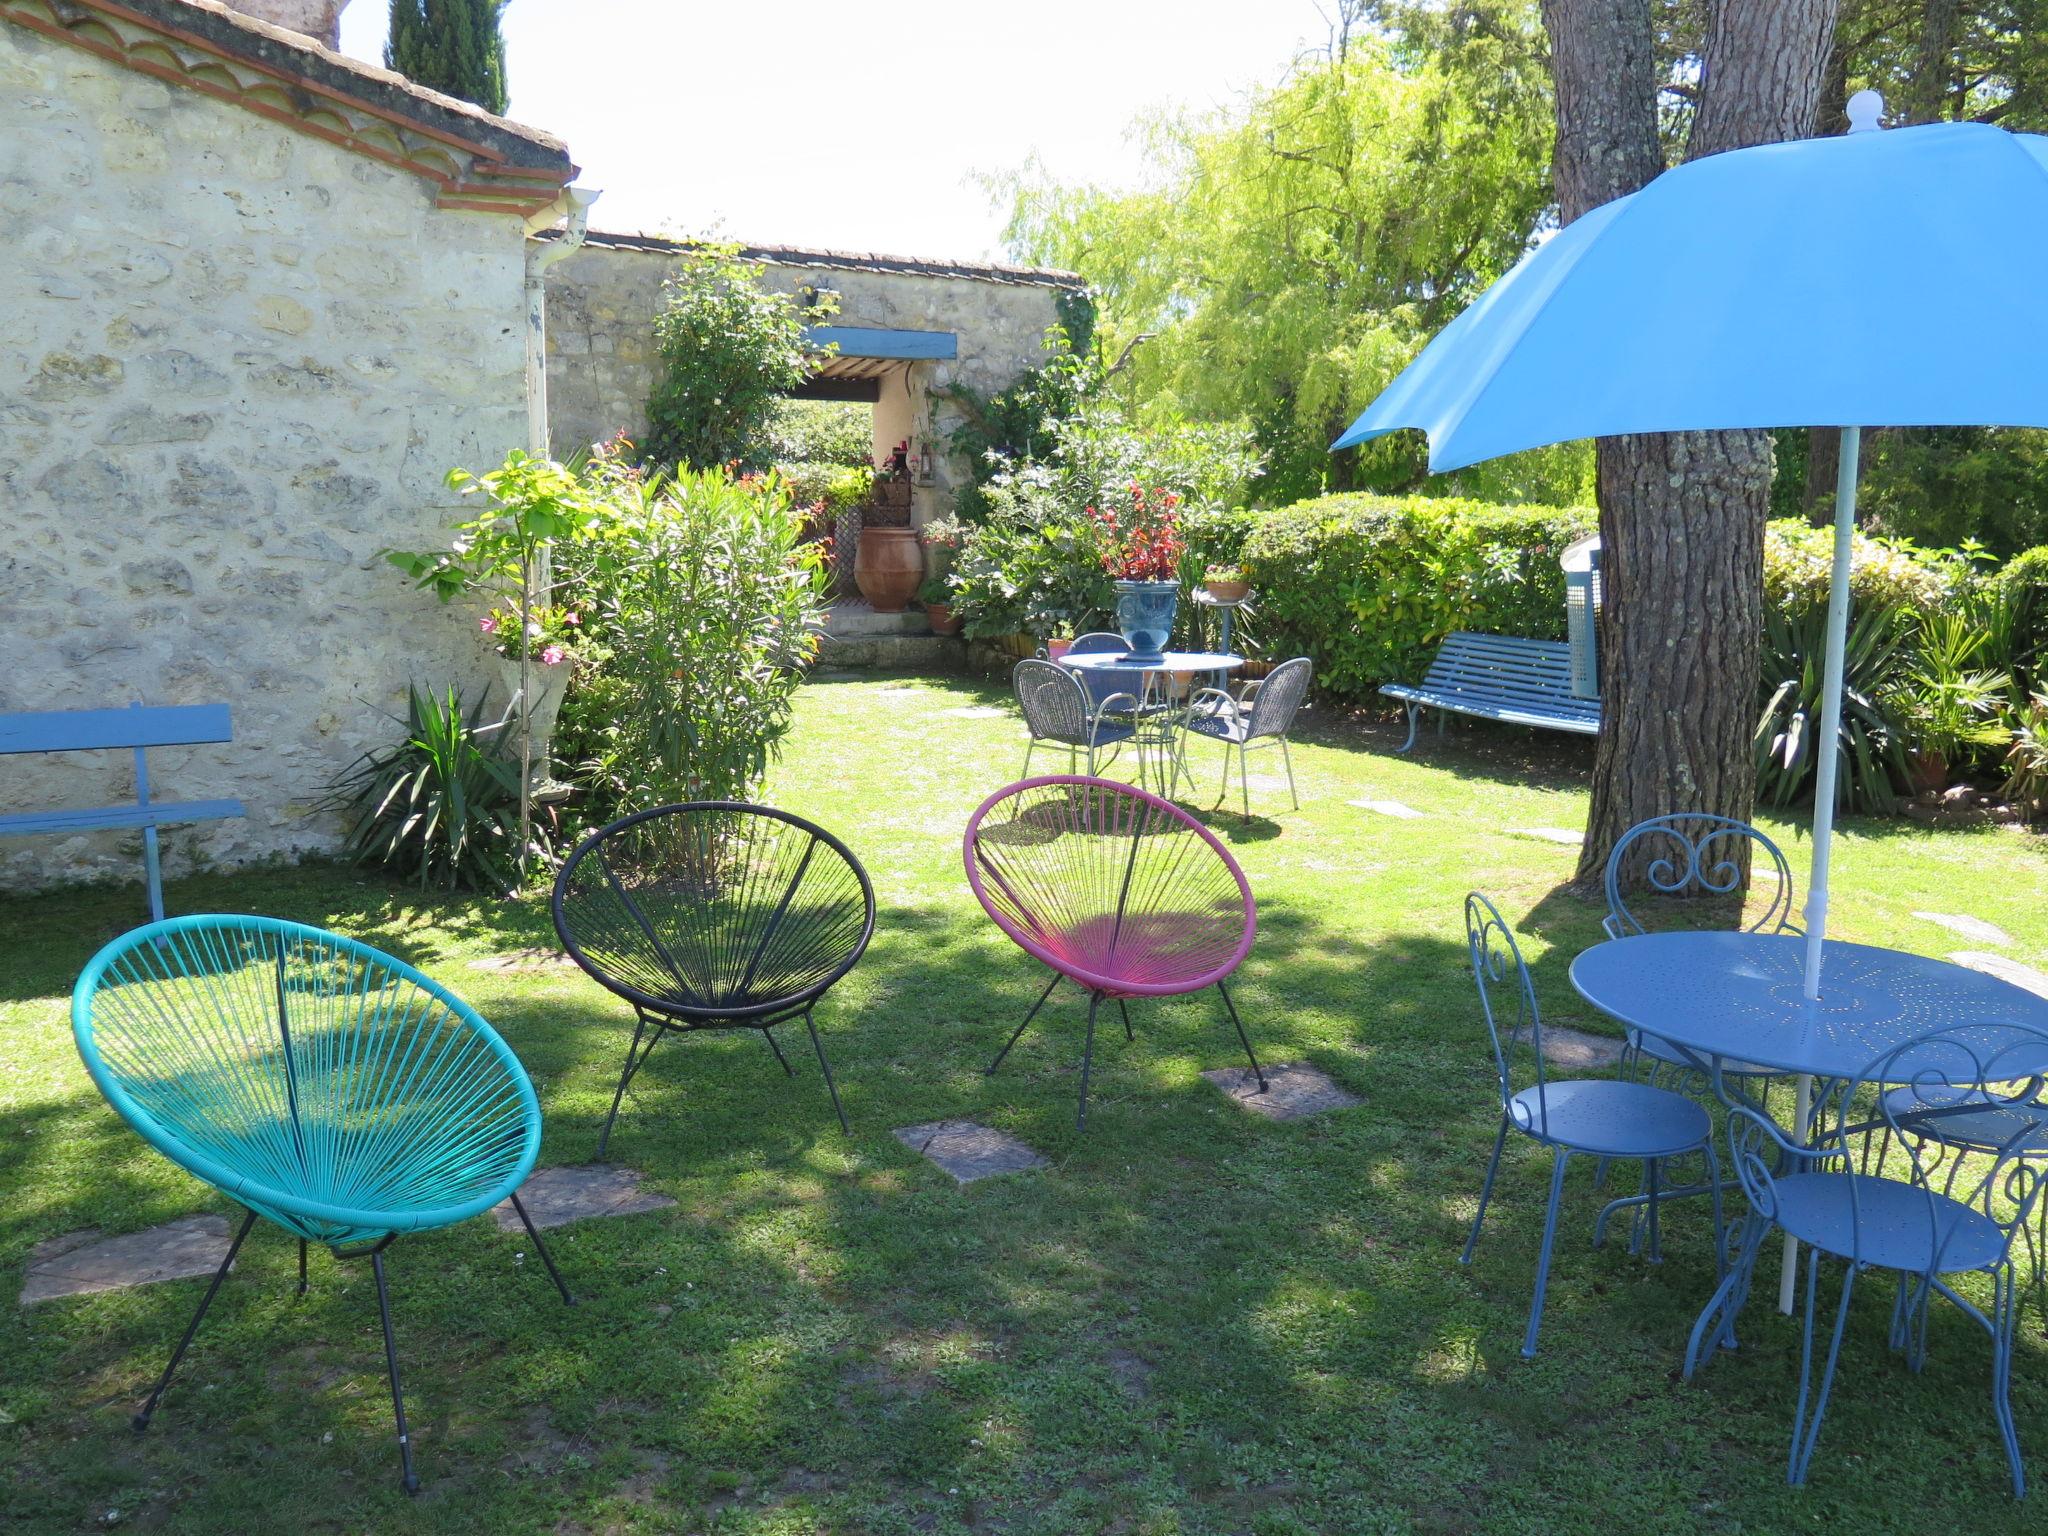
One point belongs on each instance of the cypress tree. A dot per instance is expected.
(452, 46)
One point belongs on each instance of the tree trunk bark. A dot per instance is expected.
(1681, 514)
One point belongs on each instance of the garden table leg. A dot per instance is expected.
(1800, 1129)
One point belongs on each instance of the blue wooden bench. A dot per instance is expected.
(110, 730)
(1500, 677)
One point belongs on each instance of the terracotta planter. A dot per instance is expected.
(1927, 772)
(1055, 649)
(940, 616)
(889, 568)
(1228, 591)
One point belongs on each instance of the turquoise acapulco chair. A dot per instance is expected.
(315, 1081)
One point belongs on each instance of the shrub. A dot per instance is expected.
(819, 431)
(701, 605)
(730, 350)
(2023, 582)
(1871, 738)
(441, 807)
(1883, 573)
(1368, 586)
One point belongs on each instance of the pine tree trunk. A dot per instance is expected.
(1682, 514)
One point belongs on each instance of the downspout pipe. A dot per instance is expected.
(540, 255)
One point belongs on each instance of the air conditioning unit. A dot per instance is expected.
(1581, 563)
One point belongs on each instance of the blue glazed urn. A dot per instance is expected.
(1144, 616)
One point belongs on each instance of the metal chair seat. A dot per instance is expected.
(1887, 1223)
(1612, 1118)
(1996, 1124)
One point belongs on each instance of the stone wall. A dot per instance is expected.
(601, 363)
(237, 361)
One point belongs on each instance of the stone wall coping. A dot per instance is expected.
(848, 261)
(287, 76)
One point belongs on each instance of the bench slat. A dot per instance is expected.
(1505, 678)
(26, 823)
(93, 730)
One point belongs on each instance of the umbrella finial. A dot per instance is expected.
(1866, 111)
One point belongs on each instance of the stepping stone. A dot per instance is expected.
(525, 960)
(83, 1263)
(969, 1151)
(1392, 808)
(1564, 837)
(554, 1197)
(977, 712)
(1577, 1051)
(1969, 927)
(1293, 1091)
(2022, 976)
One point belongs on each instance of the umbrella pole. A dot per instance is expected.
(1824, 784)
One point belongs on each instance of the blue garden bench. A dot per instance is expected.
(1500, 677)
(136, 728)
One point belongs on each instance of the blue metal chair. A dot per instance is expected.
(1948, 1217)
(1104, 684)
(1603, 1117)
(1259, 717)
(320, 1084)
(1057, 709)
(1690, 855)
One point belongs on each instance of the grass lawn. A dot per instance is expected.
(1194, 1320)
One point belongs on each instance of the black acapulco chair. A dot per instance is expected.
(714, 915)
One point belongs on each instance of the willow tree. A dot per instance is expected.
(452, 46)
(1296, 251)
(1681, 514)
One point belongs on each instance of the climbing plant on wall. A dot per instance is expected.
(452, 46)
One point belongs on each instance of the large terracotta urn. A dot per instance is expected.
(889, 568)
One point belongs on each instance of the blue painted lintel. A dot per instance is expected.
(872, 341)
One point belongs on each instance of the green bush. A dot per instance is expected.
(1883, 573)
(2023, 582)
(819, 431)
(1368, 586)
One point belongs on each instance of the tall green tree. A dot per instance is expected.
(1295, 252)
(452, 46)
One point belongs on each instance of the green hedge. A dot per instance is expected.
(1368, 586)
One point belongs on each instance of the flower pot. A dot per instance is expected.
(545, 687)
(940, 616)
(1228, 591)
(888, 568)
(1926, 771)
(1144, 616)
(1055, 649)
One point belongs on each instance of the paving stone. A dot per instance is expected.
(1969, 927)
(82, 1263)
(1577, 1051)
(969, 1151)
(554, 1197)
(1392, 808)
(2004, 968)
(978, 712)
(1564, 837)
(1294, 1091)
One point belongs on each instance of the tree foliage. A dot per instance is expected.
(730, 350)
(1295, 252)
(452, 46)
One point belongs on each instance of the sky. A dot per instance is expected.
(863, 124)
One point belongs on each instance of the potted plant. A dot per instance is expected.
(1226, 584)
(1142, 549)
(889, 500)
(938, 609)
(1058, 643)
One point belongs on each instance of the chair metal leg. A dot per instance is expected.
(1087, 1060)
(1029, 747)
(1656, 1254)
(1806, 1431)
(1485, 1192)
(1561, 1158)
(826, 1067)
(1244, 781)
(141, 1419)
(412, 1483)
(1287, 757)
(635, 1056)
(781, 1060)
(541, 1248)
(1242, 1038)
(1126, 1012)
(990, 1069)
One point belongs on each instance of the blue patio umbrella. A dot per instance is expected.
(1876, 279)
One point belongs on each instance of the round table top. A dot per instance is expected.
(1170, 661)
(1742, 996)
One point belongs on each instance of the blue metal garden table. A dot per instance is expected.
(1162, 718)
(1740, 998)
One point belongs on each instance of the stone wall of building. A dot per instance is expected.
(601, 362)
(237, 362)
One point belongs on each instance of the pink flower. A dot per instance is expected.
(488, 624)
(552, 656)
(572, 618)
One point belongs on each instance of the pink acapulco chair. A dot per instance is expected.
(1115, 889)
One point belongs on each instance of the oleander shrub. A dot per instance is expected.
(1883, 573)
(1368, 586)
